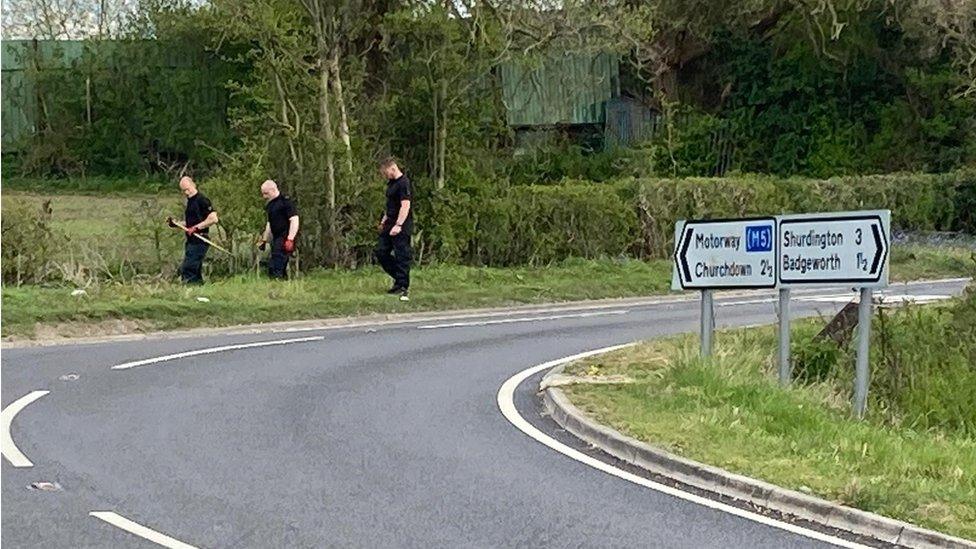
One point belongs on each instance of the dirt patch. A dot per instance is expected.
(67, 330)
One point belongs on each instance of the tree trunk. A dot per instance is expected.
(341, 102)
(325, 116)
(434, 144)
(442, 140)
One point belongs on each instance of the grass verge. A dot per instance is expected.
(730, 413)
(119, 236)
(44, 312)
(31, 311)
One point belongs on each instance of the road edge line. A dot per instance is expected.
(8, 448)
(137, 529)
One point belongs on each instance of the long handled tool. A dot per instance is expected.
(176, 223)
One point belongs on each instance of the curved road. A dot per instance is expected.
(368, 437)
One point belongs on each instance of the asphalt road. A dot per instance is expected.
(368, 437)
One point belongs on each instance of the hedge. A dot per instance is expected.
(539, 224)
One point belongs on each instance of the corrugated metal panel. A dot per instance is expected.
(18, 101)
(630, 122)
(563, 89)
(48, 54)
(16, 56)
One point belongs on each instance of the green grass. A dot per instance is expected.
(731, 413)
(145, 184)
(118, 234)
(93, 218)
(31, 311)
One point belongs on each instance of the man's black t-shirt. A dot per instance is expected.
(397, 190)
(198, 207)
(279, 211)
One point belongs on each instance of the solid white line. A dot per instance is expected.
(134, 528)
(211, 350)
(523, 319)
(7, 446)
(506, 403)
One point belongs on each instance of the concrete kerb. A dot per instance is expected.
(721, 482)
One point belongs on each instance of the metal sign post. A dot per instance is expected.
(785, 371)
(832, 249)
(783, 252)
(722, 254)
(707, 323)
(862, 373)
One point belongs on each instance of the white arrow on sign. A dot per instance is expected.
(845, 247)
(733, 253)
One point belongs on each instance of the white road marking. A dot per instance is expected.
(522, 319)
(134, 528)
(7, 446)
(506, 403)
(885, 298)
(211, 350)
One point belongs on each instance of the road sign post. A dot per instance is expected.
(861, 370)
(833, 249)
(723, 254)
(784, 252)
(785, 371)
(707, 323)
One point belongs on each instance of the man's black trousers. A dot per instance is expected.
(278, 262)
(191, 271)
(394, 255)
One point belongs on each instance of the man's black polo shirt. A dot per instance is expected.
(198, 207)
(397, 190)
(280, 210)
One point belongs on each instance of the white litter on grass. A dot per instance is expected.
(203, 299)
(78, 292)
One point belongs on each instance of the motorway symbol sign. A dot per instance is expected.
(732, 253)
(834, 248)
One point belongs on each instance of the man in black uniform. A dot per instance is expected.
(393, 246)
(199, 216)
(281, 229)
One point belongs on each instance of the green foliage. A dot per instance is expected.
(560, 159)
(815, 358)
(29, 242)
(89, 185)
(871, 102)
(542, 224)
(127, 107)
(922, 370)
(917, 201)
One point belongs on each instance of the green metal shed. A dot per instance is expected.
(561, 89)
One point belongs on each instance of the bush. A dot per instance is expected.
(543, 224)
(28, 242)
(917, 201)
(922, 370)
(922, 364)
(814, 359)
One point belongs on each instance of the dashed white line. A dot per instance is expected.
(7, 446)
(143, 532)
(506, 403)
(211, 350)
(522, 319)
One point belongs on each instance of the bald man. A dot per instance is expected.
(198, 217)
(281, 229)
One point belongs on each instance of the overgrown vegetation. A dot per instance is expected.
(911, 459)
(311, 93)
(511, 225)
